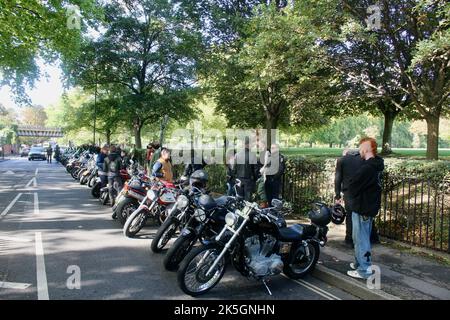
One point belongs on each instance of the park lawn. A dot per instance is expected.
(444, 154)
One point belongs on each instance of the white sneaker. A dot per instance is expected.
(353, 266)
(355, 274)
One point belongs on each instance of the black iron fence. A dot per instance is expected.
(415, 210)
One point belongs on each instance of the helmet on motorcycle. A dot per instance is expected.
(198, 179)
(320, 214)
(207, 202)
(338, 214)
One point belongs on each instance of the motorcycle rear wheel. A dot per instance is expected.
(192, 277)
(301, 265)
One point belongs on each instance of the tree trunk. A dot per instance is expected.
(108, 136)
(331, 145)
(271, 123)
(137, 137)
(389, 118)
(432, 137)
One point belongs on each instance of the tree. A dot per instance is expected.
(33, 116)
(412, 58)
(274, 76)
(149, 49)
(32, 30)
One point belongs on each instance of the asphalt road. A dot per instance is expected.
(51, 228)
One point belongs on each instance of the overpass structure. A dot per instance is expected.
(35, 131)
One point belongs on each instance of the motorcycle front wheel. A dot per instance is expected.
(179, 250)
(95, 192)
(302, 264)
(134, 223)
(192, 277)
(164, 234)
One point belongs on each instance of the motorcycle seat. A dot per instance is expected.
(296, 232)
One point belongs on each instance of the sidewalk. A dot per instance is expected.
(404, 274)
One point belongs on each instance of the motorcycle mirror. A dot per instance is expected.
(276, 203)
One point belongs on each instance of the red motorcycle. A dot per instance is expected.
(156, 205)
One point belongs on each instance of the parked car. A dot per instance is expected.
(24, 152)
(37, 153)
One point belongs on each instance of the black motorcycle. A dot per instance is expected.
(259, 246)
(205, 222)
(177, 217)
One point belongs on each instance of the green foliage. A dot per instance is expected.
(35, 29)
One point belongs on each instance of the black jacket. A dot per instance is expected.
(346, 167)
(246, 165)
(112, 163)
(365, 187)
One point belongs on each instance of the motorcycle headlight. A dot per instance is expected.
(230, 219)
(182, 202)
(200, 215)
(152, 195)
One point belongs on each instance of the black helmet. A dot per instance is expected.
(320, 214)
(338, 214)
(198, 179)
(207, 202)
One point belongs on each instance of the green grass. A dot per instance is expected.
(336, 152)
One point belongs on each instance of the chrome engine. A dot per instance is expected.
(257, 258)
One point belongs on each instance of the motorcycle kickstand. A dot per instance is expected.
(267, 287)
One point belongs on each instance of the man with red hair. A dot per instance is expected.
(365, 189)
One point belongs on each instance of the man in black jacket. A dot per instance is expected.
(246, 170)
(112, 166)
(346, 167)
(365, 190)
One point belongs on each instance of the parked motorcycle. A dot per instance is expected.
(259, 245)
(205, 222)
(160, 197)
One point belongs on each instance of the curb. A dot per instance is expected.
(350, 285)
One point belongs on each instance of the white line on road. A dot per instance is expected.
(5, 212)
(29, 183)
(14, 285)
(34, 182)
(42, 288)
(315, 289)
(36, 204)
(14, 239)
(36, 172)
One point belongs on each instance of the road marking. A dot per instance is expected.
(14, 239)
(36, 172)
(9, 172)
(29, 183)
(14, 285)
(36, 204)
(315, 289)
(34, 182)
(5, 212)
(42, 287)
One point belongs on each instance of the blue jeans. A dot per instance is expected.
(362, 226)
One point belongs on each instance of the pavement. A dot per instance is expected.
(53, 233)
(407, 273)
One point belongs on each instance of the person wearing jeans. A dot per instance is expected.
(365, 189)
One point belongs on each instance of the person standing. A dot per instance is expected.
(57, 153)
(163, 167)
(346, 167)
(99, 162)
(365, 190)
(246, 170)
(273, 171)
(49, 154)
(112, 166)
